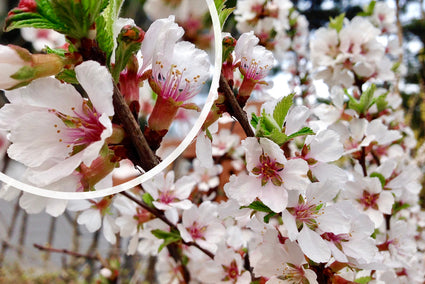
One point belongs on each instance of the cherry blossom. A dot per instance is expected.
(70, 131)
(270, 175)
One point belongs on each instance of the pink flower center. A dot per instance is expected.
(232, 271)
(166, 197)
(253, 69)
(173, 84)
(336, 239)
(197, 231)
(369, 200)
(268, 170)
(82, 129)
(293, 273)
(305, 214)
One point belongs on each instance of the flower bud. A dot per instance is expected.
(19, 67)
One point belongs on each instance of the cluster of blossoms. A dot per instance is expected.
(320, 194)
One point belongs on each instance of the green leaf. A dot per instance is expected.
(259, 206)
(67, 76)
(168, 237)
(302, 132)
(254, 120)
(380, 177)
(148, 199)
(278, 137)
(381, 102)
(369, 10)
(337, 23)
(363, 280)
(366, 100)
(222, 11)
(104, 24)
(281, 109)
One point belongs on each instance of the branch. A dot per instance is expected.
(65, 251)
(147, 159)
(235, 109)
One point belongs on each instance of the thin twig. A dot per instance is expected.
(65, 251)
(362, 161)
(236, 109)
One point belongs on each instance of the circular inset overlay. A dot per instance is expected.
(212, 95)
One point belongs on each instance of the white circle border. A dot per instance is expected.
(167, 161)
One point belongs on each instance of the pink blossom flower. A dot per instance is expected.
(53, 129)
(200, 225)
(270, 175)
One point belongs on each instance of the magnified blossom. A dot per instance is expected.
(53, 129)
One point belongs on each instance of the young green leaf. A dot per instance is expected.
(281, 109)
(302, 132)
(259, 206)
(337, 22)
(168, 237)
(223, 11)
(148, 199)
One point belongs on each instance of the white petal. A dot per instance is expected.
(253, 152)
(97, 82)
(313, 246)
(276, 198)
(204, 150)
(35, 139)
(385, 202)
(290, 225)
(48, 93)
(91, 219)
(295, 174)
(296, 118)
(109, 229)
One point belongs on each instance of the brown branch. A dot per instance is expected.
(65, 251)
(235, 109)
(147, 159)
(362, 161)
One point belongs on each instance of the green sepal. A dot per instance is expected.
(148, 199)
(281, 109)
(67, 76)
(25, 73)
(168, 237)
(337, 23)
